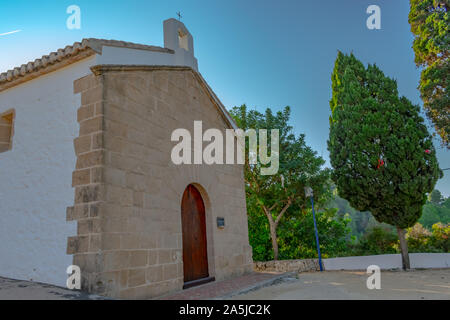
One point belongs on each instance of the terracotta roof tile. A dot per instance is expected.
(62, 57)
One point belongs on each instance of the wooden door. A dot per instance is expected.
(195, 257)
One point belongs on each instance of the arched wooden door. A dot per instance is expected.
(195, 256)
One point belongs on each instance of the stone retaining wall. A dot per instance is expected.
(303, 265)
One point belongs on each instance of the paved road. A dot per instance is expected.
(11, 289)
(416, 284)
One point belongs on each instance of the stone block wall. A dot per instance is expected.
(87, 179)
(128, 192)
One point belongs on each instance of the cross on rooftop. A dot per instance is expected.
(179, 15)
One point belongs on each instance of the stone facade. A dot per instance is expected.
(128, 192)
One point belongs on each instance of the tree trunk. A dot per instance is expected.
(403, 248)
(274, 224)
(273, 236)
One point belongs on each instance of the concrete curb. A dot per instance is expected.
(259, 285)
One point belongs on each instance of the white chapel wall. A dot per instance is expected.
(36, 176)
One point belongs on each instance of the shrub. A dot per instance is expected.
(422, 240)
(259, 235)
(377, 240)
(419, 239)
(441, 237)
(297, 239)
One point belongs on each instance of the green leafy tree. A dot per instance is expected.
(359, 221)
(377, 240)
(299, 166)
(446, 203)
(435, 197)
(382, 154)
(429, 216)
(434, 213)
(295, 234)
(430, 24)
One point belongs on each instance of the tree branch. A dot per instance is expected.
(280, 215)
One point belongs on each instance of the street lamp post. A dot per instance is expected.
(309, 193)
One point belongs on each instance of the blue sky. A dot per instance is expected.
(262, 53)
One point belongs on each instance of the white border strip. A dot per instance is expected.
(389, 261)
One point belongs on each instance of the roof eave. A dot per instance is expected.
(63, 57)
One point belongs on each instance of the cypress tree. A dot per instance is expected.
(430, 24)
(380, 149)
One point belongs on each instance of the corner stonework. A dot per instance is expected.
(87, 179)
